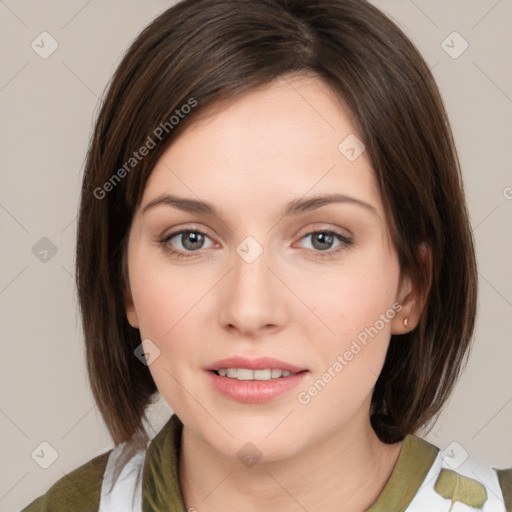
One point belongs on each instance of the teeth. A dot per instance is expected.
(248, 374)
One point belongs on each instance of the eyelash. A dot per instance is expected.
(346, 243)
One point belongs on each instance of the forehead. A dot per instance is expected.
(278, 141)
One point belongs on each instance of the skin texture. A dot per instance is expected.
(249, 158)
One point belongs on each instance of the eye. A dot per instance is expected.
(191, 241)
(321, 242)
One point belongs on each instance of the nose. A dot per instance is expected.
(252, 299)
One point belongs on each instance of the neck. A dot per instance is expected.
(346, 467)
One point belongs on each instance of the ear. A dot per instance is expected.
(129, 306)
(131, 313)
(410, 298)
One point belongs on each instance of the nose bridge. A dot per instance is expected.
(252, 295)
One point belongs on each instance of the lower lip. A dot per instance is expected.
(254, 391)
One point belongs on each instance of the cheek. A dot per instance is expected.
(353, 309)
(162, 295)
(359, 309)
(164, 301)
(170, 310)
(354, 296)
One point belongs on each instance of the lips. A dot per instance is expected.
(254, 391)
(259, 363)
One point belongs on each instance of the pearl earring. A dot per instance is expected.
(406, 321)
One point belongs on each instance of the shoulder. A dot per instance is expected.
(455, 476)
(79, 490)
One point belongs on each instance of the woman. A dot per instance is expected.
(273, 236)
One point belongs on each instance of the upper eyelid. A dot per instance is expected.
(176, 232)
(317, 226)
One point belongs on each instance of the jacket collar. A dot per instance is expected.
(162, 492)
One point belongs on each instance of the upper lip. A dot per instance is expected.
(258, 363)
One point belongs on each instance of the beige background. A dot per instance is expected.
(47, 107)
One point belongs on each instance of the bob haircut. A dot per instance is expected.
(201, 52)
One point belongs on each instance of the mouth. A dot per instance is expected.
(241, 367)
(254, 380)
(258, 375)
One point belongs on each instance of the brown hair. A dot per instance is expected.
(204, 51)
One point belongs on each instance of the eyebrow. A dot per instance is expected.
(294, 207)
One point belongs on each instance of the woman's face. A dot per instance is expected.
(250, 280)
